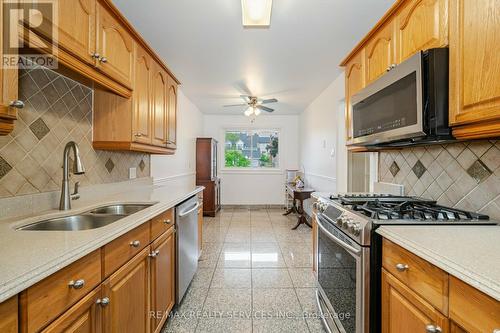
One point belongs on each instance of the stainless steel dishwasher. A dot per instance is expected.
(187, 244)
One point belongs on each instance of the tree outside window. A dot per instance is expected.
(251, 148)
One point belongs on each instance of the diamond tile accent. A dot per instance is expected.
(394, 169)
(479, 171)
(142, 165)
(39, 128)
(419, 169)
(4, 167)
(30, 157)
(109, 165)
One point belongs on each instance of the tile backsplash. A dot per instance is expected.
(57, 110)
(465, 175)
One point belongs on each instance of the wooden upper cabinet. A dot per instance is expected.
(128, 293)
(172, 115)
(475, 67)
(141, 129)
(8, 90)
(159, 104)
(354, 82)
(115, 47)
(162, 279)
(77, 32)
(405, 311)
(379, 52)
(421, 25)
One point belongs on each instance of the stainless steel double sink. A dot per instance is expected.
(93, 219)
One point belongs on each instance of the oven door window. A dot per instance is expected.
(337, 277)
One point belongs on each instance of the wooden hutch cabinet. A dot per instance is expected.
(207, 174)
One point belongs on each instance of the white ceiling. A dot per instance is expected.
(215, 58)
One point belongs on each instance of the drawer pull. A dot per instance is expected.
(78, 284)
(135, 243)
(433, 329)
(402, 267)
(103, 60)
(103, 301)
(154, 254)
(167, 221)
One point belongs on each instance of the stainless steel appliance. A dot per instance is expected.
(349, 252)
(187, 244)
(406, 106)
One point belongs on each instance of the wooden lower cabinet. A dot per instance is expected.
(9, 315)
(128, 293)
(83, 317)
(162, 279)
(405, 311)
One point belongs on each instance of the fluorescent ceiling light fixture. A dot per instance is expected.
(256, 13)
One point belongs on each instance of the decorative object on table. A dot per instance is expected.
(299, 183)
(298, 194)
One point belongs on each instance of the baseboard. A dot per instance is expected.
(252, 206)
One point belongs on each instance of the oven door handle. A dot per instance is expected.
(336, 240)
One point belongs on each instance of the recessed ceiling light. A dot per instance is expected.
(256, 13)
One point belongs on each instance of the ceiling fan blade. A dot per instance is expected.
(267, 101)
(264, 108)
(230, 105)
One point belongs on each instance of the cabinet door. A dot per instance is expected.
(421, 25)
(475, 65)
(128, 293)
(162, 279)
(405, 311)
(142, 98)
(83, 317)
(8, 315)
(159, 106)
(172, 115)
(115, 47)
(8, 89)
(76, 21)
(354, 82)
(380, 52)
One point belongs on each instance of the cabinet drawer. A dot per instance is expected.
(471, 309)
(425, 279)
(162, 223)
(119, 251)
(47, 299)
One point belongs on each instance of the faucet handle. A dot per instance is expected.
(75, 195)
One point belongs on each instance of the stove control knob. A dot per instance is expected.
(339, 222)
(355, 229)
(323, 207)
(346, 222)
(315, 205)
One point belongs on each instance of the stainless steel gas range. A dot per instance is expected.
(349, 252)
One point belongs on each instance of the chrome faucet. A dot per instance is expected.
(78, 169)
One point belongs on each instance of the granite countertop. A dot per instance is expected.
(30, 256)
(470, 253)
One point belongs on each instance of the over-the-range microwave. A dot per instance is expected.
(406, 106)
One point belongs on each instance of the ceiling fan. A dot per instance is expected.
(255, 105)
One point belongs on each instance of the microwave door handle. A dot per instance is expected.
(338, 241)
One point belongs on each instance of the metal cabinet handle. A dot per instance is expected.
(135, 243)
(154, 254)
(103, 60)
(78, 284)
(103, 301)
(496, 330)
(433, 329)
(139, 134)
(95, 55)
(18, 104)
(402, 267)
(167, 221)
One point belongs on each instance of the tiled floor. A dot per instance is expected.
(254, 275)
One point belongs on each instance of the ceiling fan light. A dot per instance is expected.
(256, 13)
(249, 112)
(257, 111)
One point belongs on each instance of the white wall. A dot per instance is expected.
(182, 165)
(257, 187)
(323, 156)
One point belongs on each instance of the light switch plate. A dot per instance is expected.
(132, 173)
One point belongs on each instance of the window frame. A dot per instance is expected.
(259, 170)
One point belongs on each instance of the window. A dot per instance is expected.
(253, 149)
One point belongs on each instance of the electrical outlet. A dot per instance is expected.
(132, 173)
